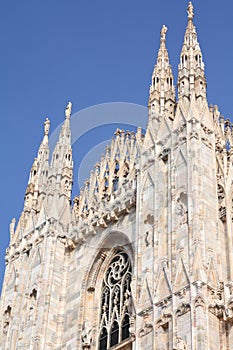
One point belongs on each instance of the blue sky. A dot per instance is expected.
(90, 52)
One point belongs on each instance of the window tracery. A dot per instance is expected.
(115, 302)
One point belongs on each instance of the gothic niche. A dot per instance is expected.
(115, 302)
(221, 203)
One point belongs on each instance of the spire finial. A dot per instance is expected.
(190, 11)
(68, 110)
(163, 33)
(46, 126)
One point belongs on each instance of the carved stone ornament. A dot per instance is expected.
(180, 344)
(86, 334)
(132, 329)
(164, 320)
(228, 315)
(147, 328)
(217, 309)
(182, 212)
(182, 309)
(199, 301)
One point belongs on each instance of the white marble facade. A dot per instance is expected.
(142, 258)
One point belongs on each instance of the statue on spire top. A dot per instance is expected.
(46, 126)
(68, 110)
(163, 33)
(190, 11)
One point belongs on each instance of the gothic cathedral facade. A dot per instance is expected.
(142, 259)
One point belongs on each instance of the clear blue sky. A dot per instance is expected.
(90, 52)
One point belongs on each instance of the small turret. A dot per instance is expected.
(162, 91)
(191, 75)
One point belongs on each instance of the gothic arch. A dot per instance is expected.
(114, 243)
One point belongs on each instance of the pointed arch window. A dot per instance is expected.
(115, 302)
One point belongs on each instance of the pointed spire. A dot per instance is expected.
(191, 75)
(39, 172)
(162, 91)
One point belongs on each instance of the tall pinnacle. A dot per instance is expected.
(162, 88)
(191, 76)
(62, 163)
(39, 171)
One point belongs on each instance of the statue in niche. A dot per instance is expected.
(87, 333)
(180, 344)
(149, 221)
(181, 208)
(149, 237)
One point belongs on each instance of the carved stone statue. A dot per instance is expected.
(87, 333)
(180, 344)
(68, 110)
(46, 126)
(190, 11)
(182, 212)
(163, 33)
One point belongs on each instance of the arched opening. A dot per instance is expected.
(114, 334)
(103, 339)
(125, 327)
